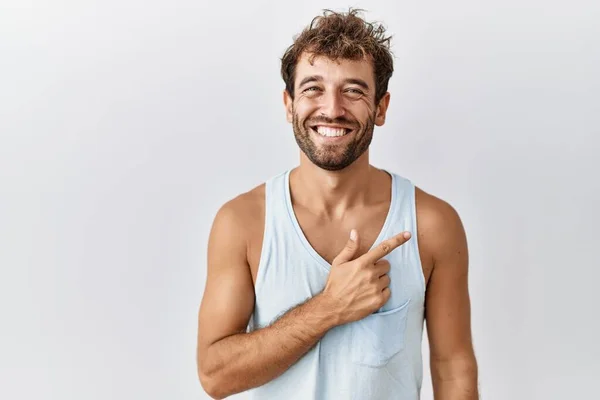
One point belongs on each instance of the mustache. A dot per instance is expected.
(346, 123)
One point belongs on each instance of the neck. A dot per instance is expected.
(332, 193)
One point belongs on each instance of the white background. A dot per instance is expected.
(124, 125)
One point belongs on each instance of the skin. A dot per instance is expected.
(335, 191)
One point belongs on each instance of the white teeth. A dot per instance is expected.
(331, 132)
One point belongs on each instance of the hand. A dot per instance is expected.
(358, 287)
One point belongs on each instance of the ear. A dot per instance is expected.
(382, 109)
(288, 103)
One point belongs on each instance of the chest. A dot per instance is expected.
(328, 237)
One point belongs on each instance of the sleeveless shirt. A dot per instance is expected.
(375, 358)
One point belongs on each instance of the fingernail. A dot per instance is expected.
(353, 234)
(406, 235)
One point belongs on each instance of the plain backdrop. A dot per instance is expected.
(125, 125)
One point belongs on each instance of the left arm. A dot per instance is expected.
(454, 369)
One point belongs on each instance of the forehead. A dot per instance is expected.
(333, 71)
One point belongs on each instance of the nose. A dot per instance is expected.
(332, 105)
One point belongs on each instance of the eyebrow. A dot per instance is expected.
(358, 82)
(319, 78)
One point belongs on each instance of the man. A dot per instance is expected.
(318, 281)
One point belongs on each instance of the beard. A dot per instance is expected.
(333, 157)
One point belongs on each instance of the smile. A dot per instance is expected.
(330, 131)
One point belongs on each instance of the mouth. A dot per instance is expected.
(330, 131)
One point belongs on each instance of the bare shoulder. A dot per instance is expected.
(244, 211)
(447, 302)
(228, 298)
(440, 227)
(241, 219)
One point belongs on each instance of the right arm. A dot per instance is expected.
(229, 359)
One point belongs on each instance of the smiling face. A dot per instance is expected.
(333, 112)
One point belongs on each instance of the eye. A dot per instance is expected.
(355, 92)
(311, 89)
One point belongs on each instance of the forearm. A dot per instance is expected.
(246, 360)
(455, 379)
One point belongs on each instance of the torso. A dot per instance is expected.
(329, 238)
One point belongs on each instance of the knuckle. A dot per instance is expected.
(385, 247)
(383, 283)
(377, 302)
(375, 291)
(383, 265)
(373, 276)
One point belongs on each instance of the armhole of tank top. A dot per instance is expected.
(266, 242)
(413, 201)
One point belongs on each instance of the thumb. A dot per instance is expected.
(349, 251)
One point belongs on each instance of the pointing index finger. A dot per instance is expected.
(386, 247)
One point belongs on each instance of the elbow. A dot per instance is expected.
(211, 386)
(453, 368)
(212, 380)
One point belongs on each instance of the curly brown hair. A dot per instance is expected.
(346, 36)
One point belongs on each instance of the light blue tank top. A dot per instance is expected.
(376, 358)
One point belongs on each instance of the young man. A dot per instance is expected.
(319, 280)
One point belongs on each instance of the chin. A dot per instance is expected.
(331, 165)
